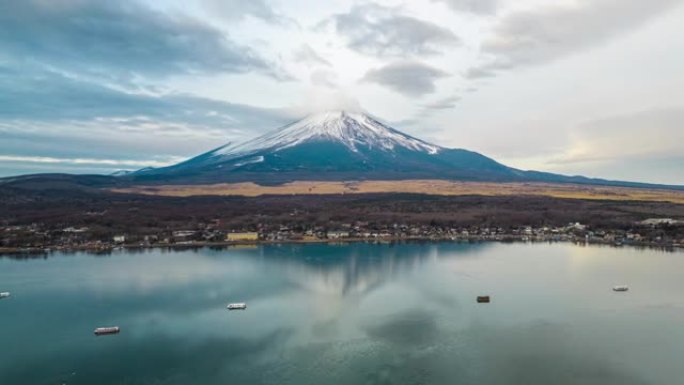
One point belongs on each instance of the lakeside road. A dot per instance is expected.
(502, 239)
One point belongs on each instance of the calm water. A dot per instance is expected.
(355, 314)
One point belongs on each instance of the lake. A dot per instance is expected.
(346, 314)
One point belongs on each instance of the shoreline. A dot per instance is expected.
(5, 251)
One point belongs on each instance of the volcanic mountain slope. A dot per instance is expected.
(340, 145)
(335, 145)
(330, 146)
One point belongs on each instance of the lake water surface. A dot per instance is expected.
(347, 314)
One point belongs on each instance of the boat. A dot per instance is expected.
(237, 306)
(4, 294)
(620, 288)
(483, 299)
(107, 330)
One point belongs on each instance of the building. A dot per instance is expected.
(183, 235)
(119, 239)
(337, 234)
(75, 230)
(246, 236)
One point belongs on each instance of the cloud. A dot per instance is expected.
(40, 95)
(655, 133)
(323, 77)
(239, 9)
(481, 72)
(472, 6)
(45, 115)
(376, 30)
(643, 146)
(416, 121)
(305, 54)
(410, 78)
(118, 39)
(91, 162)
(320, 99)
(442, 104)
(135, 141)
(552, 31)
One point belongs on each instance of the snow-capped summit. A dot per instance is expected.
(352, 129)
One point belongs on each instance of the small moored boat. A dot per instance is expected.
(4, 294)
(237, 306)
(620, 288)
(483, 299)
(107, 330)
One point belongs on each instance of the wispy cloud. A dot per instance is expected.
(472, 6)
(91, 162)
(654, 133)
(442, 104)
(238, 9)
(410, 78)
(552, 31)
(121, 38)
(40, 95)
(307, 55)
(323, 77)
(377, 30)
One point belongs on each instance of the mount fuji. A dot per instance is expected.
(341, 145)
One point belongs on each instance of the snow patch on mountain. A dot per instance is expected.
(353, 130)
(256, 159)
(121, 172)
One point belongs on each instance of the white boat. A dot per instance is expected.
(620, 288)
(237, 306)
(107, 330)
(4, 294)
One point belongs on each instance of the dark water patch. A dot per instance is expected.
(415, 328)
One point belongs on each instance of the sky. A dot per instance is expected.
(588, 87)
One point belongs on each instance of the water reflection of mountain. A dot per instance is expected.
(357, 267)
(337, 269)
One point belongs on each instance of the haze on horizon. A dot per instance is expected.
(590, 87)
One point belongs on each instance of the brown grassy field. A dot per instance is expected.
(432, 187)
